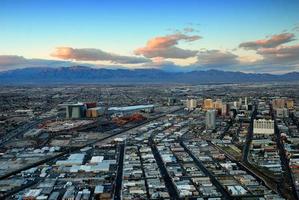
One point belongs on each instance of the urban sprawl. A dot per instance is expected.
(100, 142)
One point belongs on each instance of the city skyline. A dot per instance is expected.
(258, 37)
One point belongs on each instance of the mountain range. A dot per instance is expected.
(87, 75)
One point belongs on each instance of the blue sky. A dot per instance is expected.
(34, 29)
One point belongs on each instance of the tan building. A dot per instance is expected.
(218, 104)
(290, 104)
(208, 104)
(278, 103)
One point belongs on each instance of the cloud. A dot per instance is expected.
(189, 30)
(296, 28)
(272, 42)
(8, 62)
(89, 54)
(165, 47)
(227, 61)
(275, 56)
(281, 55)
(216, 59)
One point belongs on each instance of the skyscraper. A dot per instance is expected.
(191, 104)
(210, 119)
(208, 104)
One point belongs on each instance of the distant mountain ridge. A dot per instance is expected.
(87, 75)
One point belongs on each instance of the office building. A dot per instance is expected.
(211, 119)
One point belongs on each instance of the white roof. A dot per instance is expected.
(96, 159)
(33, 193)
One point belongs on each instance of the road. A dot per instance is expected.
(75, 149)
(215, 182)
(173, 193)
(249, 136)
(268, 182)
(230, 123)
(22, 130)
(119, 174)
(284, 160)
(19, 131)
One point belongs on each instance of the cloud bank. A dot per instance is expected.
(274, 53)
(8, 62)
(89, 54)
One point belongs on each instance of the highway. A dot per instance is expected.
(22, 130)
(18, 132)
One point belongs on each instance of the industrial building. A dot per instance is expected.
(130, 109)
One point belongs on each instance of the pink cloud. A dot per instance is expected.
(165, 47)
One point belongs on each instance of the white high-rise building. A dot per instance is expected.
(263, 127)
(191, 104)
(240, 102)
(211, 119)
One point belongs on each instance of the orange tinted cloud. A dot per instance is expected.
(165, 47)
(272, 42)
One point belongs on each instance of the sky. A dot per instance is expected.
(249, 36)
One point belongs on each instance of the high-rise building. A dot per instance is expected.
(240, 102)
(278, 103)
(224, 110)
(218, 104)
(75, 111)
(171, 101)
(208, 104)
(211, 119)
(290, 104)
(245, 101)
(263, 127)
(191, 104)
